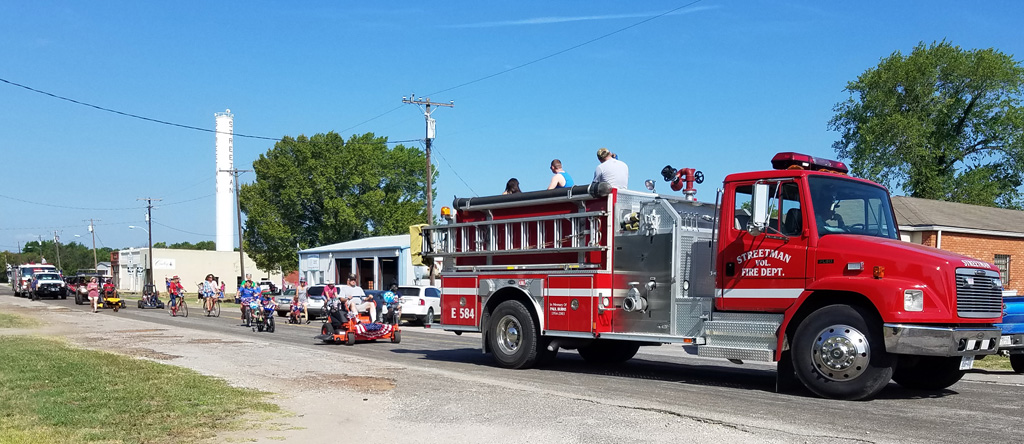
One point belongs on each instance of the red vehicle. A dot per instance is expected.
(801, 265)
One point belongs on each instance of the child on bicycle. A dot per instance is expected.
(176, 290)
(245, 295)
(268, 303)
(296, 311)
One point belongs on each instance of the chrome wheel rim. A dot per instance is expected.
(840, 353)
(509, 337)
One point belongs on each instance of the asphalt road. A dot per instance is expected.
(665, 381)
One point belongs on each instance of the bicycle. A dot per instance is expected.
(215, 312)
(178, 305)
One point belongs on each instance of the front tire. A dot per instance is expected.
(1017, 363)
(838, 353)
(512, 336)
(396, 337)
(928, 372)
(350, 339)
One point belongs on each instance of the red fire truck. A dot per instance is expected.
(801, 265)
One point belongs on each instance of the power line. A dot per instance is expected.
(69, 207)
(58, 226)
(136, 116)
(557, 53)
(456, 172)
(183, 231)
(186, 201)
(554, 54)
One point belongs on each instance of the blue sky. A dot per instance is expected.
(718, 86)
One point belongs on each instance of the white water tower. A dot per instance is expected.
(225, 187)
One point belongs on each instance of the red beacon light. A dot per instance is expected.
(797, 161)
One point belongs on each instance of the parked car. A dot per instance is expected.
(284, 302)
(315, 301)
(420, 303)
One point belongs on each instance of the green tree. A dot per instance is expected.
(322, 189)
(941, 123)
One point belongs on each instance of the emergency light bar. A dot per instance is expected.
(797, 161)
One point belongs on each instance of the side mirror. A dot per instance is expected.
(759, 210)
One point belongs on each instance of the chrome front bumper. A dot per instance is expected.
(940, 341)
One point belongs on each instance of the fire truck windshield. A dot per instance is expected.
(843, 206)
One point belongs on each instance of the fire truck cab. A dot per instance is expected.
(800, 264)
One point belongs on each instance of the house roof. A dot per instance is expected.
(368, 243)
(926, 214)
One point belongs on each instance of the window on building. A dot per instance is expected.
(1003, 262)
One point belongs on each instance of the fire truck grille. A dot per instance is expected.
(979, 294)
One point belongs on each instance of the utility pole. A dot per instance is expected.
(430, 137)
(56, 243)
(149, 232)
(95, 263)
(238, 214)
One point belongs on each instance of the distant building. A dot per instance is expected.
(376, 261)
(995, 235)
(191, 266)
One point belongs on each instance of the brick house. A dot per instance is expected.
(995, 235)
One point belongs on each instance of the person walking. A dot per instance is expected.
(301, 294)
(611, 170)
(94, 293)
(560, 178)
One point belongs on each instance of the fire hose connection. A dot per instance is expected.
(633, 301)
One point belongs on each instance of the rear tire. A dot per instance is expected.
(512, 336)
(1017, 363)
(838, 353)
(928, 372)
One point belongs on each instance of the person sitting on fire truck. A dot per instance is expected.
(560, 178)
(611, 170)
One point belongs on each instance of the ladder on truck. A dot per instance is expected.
(579, 232)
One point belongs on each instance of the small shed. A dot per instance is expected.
(376, 261)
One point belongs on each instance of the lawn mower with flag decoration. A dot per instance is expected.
(338, 327)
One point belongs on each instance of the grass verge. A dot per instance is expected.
(993, 362)
(53, 393)
(10, 320)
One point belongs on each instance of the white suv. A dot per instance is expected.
(420, 302)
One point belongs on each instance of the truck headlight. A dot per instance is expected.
(913, 300)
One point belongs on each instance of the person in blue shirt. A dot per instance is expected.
(246, 295)
(560, 179)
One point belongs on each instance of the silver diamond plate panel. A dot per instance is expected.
(688, 315)
(767, 318)
(733, 353)
(753, 336)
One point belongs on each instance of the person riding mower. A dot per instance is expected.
(110, 298)
(338, 326)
